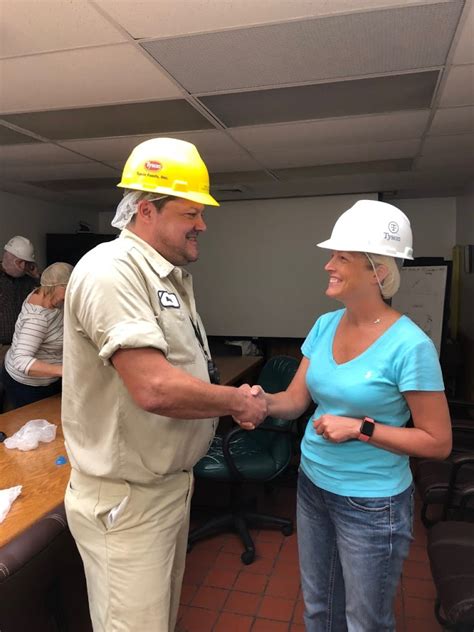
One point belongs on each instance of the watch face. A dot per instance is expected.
(367, 428)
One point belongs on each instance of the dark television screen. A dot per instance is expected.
(70, 247)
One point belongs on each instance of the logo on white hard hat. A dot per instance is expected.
(393, 227)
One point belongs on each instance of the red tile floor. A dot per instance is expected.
(220, 594)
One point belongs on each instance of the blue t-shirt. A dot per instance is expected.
(403, 358)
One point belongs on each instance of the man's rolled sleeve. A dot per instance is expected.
(131, 335)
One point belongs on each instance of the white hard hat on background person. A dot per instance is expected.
(374, 227)
(21, 247)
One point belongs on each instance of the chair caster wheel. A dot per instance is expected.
(287, 530)
(247, 557)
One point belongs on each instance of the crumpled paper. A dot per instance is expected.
(29, 435)
(7, 496)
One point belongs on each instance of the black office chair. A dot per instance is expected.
(443, 482)
(451, 555)
(258, 455)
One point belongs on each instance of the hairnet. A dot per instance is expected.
(128, 207)
(56, 274)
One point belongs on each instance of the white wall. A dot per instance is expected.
(34, 218)
(260, 272)
(465, 236)
(433, 221)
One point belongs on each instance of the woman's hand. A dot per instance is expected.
(337, 429)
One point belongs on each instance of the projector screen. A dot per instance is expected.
(260, 272)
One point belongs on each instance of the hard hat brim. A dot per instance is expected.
(331, 244)
(194, 196)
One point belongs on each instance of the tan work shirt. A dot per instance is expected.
(123, 295)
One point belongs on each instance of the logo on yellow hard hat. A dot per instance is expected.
(153, 165)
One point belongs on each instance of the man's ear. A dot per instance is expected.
(145, 210)
(20, 264)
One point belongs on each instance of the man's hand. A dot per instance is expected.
(254, 408)
(337, 429)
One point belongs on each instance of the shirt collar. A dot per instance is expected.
(161, 265)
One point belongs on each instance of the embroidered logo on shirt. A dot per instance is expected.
(168, 299)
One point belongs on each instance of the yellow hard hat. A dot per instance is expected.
(168, 166)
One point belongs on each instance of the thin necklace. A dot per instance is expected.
(377, 321)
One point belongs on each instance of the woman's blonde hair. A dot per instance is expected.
(391, 282)
(54, 275)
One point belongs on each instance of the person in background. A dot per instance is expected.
(33, 363)
(18, 277)
(368, 368)
(138, 406)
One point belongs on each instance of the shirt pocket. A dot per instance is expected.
(179, 335)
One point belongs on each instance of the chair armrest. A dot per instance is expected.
(467, 495)
(227, 440)
(458, 462)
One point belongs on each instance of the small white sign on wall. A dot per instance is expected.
(421, 297)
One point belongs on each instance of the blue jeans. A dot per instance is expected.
(351, 553)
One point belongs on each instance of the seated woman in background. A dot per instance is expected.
(33, 364)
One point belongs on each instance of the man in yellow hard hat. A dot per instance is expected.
(19, 276)
(139, 409)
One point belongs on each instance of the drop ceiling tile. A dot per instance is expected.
(324, 100)
(36, 26)
(350, 168)
(376, 42)
(33, 154)
(363, 129)
(464, 52)
(114, 149)
(217, 149)
(459, 87)
(11, 137)
(112, 120)
(455, 144)
(140, 18)
(317, 154)
(453, 121)
(82, 77)
(47, 171)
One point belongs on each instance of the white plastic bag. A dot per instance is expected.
(29, 435)
(7, 496)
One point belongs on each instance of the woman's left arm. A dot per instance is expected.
(431, 436)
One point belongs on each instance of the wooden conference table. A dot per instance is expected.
(43, 481)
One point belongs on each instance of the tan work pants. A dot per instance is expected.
(132, 539)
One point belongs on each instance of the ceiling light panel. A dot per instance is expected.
(112, 120)
(364, 129)
(375, 42)
(464, 52)
(341, 98)
(82, 77)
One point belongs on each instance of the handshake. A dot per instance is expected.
(253, 406)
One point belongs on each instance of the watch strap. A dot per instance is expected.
(366, 429)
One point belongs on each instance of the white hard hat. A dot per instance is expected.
(373, 227)
(21, 247)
